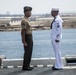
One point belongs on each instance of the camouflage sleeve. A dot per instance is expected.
(23, 25)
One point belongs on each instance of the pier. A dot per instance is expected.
(42, 66)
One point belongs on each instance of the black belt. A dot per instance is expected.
(28, 34)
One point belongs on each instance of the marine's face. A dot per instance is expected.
(28, 13)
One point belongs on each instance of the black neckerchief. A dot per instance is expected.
(52, 22)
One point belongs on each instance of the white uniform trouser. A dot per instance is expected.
(58, 61)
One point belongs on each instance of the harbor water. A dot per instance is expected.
(12, 47)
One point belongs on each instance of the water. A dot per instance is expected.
(11, 45)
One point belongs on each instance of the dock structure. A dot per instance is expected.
(45, 62)
(42, 66)
(36, 62)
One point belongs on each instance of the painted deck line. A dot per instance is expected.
(35, 62)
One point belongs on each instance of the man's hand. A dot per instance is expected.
(56, 40)
(25, 44)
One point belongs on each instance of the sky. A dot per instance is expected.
(39, 6)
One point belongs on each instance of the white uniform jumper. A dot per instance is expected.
(56, 34)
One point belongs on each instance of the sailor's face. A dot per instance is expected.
(52, 13)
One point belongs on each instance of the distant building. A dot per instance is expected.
(34, 18)
(4, 22)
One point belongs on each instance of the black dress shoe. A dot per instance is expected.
(27, 69)
(53, 68)
(31, 67)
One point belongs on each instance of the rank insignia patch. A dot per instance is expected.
(58, 25)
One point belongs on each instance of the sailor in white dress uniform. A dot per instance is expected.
(56, 35)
